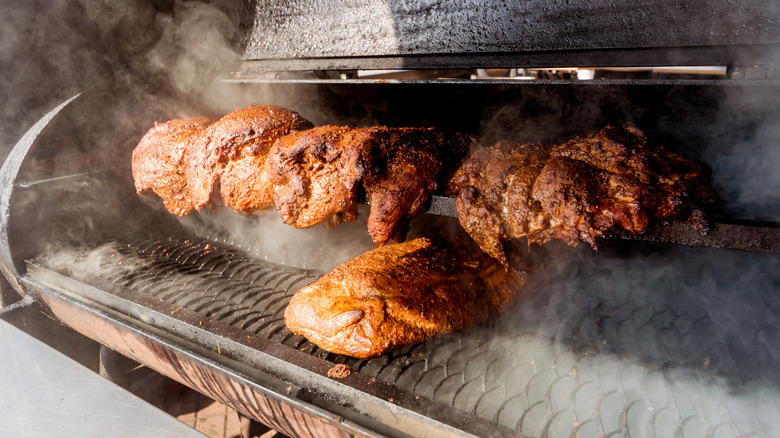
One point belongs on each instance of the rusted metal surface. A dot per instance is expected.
(232, 365)
(276, 410)
(596, 336)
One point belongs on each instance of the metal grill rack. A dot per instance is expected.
(597, 359)
(665, 334)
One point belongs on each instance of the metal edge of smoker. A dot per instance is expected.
(274, 384)
(745, 237)
(8, 177)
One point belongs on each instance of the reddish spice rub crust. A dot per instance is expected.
(159, 162)
(401, 294)
(235, 141)
(318, 174)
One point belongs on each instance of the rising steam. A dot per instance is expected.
(642, 339)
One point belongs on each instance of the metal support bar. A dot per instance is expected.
(115, 367)
(721, 235)
(24, 302)
(7, 295)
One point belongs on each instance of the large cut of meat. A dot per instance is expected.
(260, 156)
(159, 163)
(244, 184)
(319, 172)
(576, 191)
(315, 174)
(241, 139)
(401, 294)
(494, 201)
(404, 168)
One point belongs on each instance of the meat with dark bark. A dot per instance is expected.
(402, 294)
(576, 191)
(318, 173)
(404, 168)
(159, 162)
(494, 199)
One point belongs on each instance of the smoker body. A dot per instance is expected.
(589, 352)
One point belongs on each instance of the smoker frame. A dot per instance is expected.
(148, 334)
(201, 353)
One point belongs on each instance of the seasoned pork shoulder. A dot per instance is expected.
(576, 191)
(319, 172)
(404, 167)
(243, 136)
(315, 174)
(401, 294)
(159, 165)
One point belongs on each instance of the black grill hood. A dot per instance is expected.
(377, 34)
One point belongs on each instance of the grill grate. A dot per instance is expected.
(585, 356)
(217, 284)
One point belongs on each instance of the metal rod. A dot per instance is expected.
(743, 237)
(24, 302)
(27, 184)
(721, 235)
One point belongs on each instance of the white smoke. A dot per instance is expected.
(266, 237)
(196, 51)
(745, 169)
(644, 340)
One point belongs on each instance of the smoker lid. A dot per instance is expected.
(372, 34)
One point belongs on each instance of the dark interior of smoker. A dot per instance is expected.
(645, 337)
